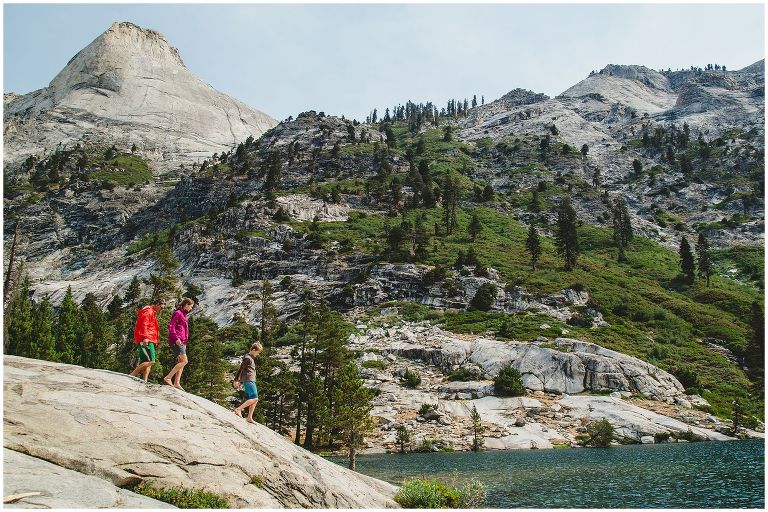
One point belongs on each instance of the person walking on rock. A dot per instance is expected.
(246, 379)
(178, 335)
(145, 336)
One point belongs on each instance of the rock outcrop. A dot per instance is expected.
(566, 366)
(106, 425)
(129, 86)
(63, 488)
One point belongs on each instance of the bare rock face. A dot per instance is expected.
(129, 86)
(63, 488)
(573, 366)
(106, 425)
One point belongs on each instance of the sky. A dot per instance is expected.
(346, 59)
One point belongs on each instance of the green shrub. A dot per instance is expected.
(374, 363)
(258, 481)
(412, 379)
(181, 497)
(687, 376)
(462, 375)
(508, 382)
(600, 434)
(428, 494)
(484, 298)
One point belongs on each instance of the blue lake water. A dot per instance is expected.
(695, 475)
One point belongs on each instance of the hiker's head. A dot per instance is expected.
(157, 304)
(186, 304)
(256, 348)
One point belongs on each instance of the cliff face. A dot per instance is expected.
(129, 86)
(106, 425)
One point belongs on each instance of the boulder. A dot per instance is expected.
(112, 427)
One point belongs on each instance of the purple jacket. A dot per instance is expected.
(178, 329)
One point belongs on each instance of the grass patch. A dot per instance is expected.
(181, 497)
(124, 170)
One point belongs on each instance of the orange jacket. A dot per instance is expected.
(146, 326)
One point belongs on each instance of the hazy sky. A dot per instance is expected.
(348, 59)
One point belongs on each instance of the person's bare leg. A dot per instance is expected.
(239, 410)
(146, 370)
(139, 368)
(178, 370)
(252, 408)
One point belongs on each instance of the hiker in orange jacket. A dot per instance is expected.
(146, 334)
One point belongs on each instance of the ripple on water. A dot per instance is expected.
(696, 475)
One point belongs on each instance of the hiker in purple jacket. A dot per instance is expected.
(178, 335)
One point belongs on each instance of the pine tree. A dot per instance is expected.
(475, 226)
(43, 343)
(477, 430)
(67, 327)
(96, 350)
(428, 196)
(533, 245)
(403, 437)
(274, 171)
(704, 261)
(637, 166)
(450, 202)
(622, 226)
(584, 151)
(686, 260)
(20, 330)
(133, 294)
(352, 418)
(566, 237)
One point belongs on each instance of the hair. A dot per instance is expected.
(256, 346)
(185, 301)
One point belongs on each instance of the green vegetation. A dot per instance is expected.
(427, 493)
(600, 434)
(181, 497)
(124, 170)
(508, 382)
(374, 363)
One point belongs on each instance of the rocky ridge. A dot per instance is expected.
(125, 432)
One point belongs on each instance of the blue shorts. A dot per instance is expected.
(250, 389)
(179, 350)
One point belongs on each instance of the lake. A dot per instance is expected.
(671, 475)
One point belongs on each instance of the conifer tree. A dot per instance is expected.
(475, 227)
(533, 245)
(133, 294)
(95, 343)
(427, 195)
(704, 261)
(622, 226)
(535, 201)
(477, 430)
(450, 202)
(67, 327)
(687, 264)
(20, 330)
(351, 417)
(42, 344)
(566, 237)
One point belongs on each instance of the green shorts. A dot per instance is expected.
(146, 352)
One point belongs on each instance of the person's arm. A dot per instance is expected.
(140, 331)
(175, 328)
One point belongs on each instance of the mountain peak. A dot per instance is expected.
(123, 51)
